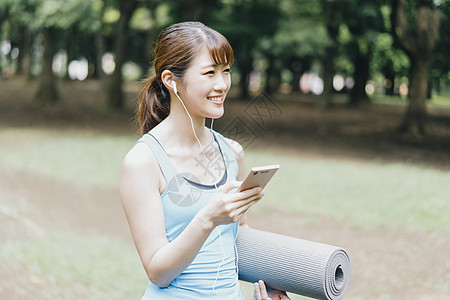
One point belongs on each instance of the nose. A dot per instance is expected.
(222, 82)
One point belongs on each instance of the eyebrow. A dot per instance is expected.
(212, 66)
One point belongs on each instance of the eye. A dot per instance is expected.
(211, 72)
(227, 70)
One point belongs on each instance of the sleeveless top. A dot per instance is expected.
(213, 273)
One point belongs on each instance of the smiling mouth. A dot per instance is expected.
(216, 100)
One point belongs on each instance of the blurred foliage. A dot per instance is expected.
(281, 39)
(440, 62)
(37, 14)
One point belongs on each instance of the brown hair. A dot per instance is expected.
(175, 49)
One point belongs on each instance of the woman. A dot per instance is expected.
(179, 182)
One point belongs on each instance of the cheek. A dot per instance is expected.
(227, 81)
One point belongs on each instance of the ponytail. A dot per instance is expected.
(154, 104)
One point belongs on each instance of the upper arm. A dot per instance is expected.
(140, 194)
(238, 152)
(239, 156)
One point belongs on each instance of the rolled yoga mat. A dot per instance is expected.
(293, 265)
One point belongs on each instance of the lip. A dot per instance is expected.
(218, 100)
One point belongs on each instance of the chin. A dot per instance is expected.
(216, 114)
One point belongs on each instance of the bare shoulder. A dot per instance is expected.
(139, 167)
(237, 149)
(140, 157)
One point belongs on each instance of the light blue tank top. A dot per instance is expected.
(212, 274)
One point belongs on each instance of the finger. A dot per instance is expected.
(284, 296)
(256, 292)
(263, 289)
(240, 208)
(239, 211)
(257, 191)
(242, 202)
(250, 192)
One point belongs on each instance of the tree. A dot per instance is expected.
(47, 91)
(99, 42)
(53, 18)
(19, 15)
(194, 10)
(390, 62)
(333, 20)
(364, 20)
(440, 64)
(145, 26)
(114, 91)
(415, 28)
(245, 23)
(297, 43)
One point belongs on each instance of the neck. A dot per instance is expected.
(183, 128)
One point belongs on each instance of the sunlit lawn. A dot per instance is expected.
(436, 101)
(362, 194)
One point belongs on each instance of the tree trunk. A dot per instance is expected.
(361, 74)
(70, 49)
(245, 68)
(414, 119)
(296, 68)
(150, 39)
(328, 59)
(47, 92)
(418, 42)
(115, 91)
(24, 59)
(100, 43)
(328, 73)
(389, 75)
(273, 77)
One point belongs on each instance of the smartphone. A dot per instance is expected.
(259, 176)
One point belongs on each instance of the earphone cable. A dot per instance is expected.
(193, 129)
(237, 264)
(215, 184)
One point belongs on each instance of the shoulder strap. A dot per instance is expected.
(161, 156)
(228, 154)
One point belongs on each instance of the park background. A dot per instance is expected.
(351, 98)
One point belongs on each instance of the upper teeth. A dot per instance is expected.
(216, 98)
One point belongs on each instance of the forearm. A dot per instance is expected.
(173, 258)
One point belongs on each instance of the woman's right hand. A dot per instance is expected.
(228, 207)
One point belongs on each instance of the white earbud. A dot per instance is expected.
(174, 85)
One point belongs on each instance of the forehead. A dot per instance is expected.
(203, 59)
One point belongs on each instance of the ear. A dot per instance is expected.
(168, 80)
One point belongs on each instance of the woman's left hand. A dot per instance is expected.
(263, 293)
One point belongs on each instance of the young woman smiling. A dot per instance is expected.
(179, 182)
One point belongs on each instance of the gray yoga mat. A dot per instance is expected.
(294, 265)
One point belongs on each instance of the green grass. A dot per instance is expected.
(361, 194)
(79, 266)
(441, 100)
(91, 266)
(78, 157)
(436, 101)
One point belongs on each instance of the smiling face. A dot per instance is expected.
(205, 86)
